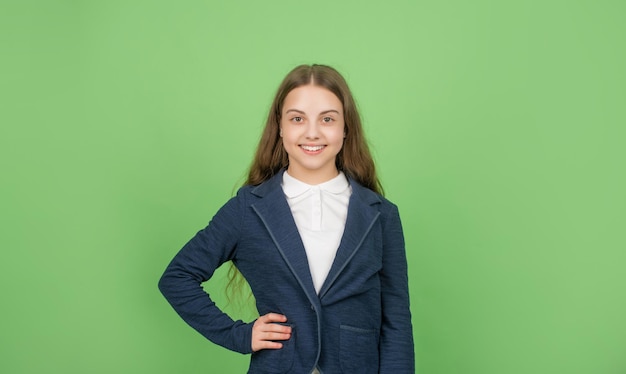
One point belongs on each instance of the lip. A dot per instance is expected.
(312, 149)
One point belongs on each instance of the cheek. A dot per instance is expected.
(289, 138)
(337, 135)
(287, 133)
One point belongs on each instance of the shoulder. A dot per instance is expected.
(248, 194)
(389, 215)
(370, 197)
(244, 191)
(388, 210)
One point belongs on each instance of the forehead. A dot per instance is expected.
(312, 98)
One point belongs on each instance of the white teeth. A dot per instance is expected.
(312, 148)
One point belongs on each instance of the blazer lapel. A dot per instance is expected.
(274, 212)
(362, 214)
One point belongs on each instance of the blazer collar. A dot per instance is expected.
(362, 214)
(273, 210)
(275, 214)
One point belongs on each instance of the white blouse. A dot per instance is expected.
(320, 212)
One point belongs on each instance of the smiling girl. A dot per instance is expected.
(322, 249)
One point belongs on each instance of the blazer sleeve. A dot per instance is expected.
(396, 341)
(181, 283)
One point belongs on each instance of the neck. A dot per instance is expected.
(313, 177)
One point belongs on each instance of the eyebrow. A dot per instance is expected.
(294, 110)
(301, 112)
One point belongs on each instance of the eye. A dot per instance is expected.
(327, 119)
(297, 119)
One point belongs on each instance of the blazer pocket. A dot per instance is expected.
(275, 361)
(358, 349)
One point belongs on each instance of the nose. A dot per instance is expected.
(312, 130)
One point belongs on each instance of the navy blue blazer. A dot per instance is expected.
(360, 321)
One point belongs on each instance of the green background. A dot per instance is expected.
(498, 128)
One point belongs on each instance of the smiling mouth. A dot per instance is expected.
(312, 148)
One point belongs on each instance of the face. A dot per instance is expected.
(312, 128)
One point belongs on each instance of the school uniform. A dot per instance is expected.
(356, 320)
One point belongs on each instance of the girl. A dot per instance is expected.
(322, 250)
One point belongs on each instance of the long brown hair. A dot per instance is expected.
(354, 158)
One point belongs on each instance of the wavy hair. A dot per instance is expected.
(354, 158)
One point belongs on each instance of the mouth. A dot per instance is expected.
(312, 148)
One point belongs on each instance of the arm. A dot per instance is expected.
(396, 340)
(196, 263)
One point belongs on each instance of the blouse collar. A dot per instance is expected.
(294, 187)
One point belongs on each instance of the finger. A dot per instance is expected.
(269, 345)
(261, 341)
(274, 327)
(275, 336)
(265, 332)
(266, 323)
(274, 317)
